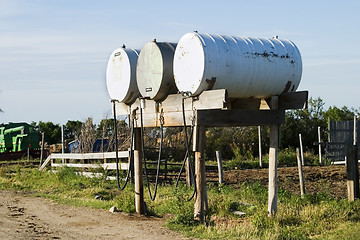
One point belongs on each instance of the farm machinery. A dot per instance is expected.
(18, 140)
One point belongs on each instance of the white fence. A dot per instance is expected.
(67, 157)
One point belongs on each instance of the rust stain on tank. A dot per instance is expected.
(210, 83)
(287, 87)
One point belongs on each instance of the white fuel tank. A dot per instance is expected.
(121, 75)
(246, 67)
(154, 71)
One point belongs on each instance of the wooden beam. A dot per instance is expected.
(212, 99)
(112, 166)
(100, 155)
(171, 119)
(42, 167)
(173, 104)
(122, 109)
(294, 100)
(245, 103)
(226, 118)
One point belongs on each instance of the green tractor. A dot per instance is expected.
(17, 137)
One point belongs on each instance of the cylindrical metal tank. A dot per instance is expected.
(154, 71)
(246, 67)
(121, 75)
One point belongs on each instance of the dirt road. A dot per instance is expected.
(25, 217)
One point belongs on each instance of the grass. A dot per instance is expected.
(286, 158)
(316, 216)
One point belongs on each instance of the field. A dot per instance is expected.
(328, 179)
(44, 205)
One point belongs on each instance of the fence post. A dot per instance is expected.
(62, 143)
(301, 173)
(260, 151)
(355, 131)
(42, 148)
(301, 150)
(220, 167)
(352, 172)
(319, 140)
(273, 155)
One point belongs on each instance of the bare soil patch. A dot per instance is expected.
(325, 179)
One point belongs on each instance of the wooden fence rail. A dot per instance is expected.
(87, 156)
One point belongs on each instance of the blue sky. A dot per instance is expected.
(53, 54)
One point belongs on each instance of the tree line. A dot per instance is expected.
(230, 141)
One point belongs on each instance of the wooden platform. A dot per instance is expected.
(213, 108)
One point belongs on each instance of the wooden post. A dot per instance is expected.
(319, 140)
(352, 173)
(42, 148)
(260, 151)
(220, 167)
(200, 171)
(329, 140)
(138, 169)
(355, 132)
(273, 152)
(301, 150)
(62, 143)
(301, 173)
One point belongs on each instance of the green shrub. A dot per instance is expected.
(125, 201)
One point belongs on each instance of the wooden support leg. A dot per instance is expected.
(273, 154)
(138, 169)
(200, 171)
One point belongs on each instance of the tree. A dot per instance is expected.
(87, 136)
(72, 129)
(51, 131)
(305, 122)
(340, 114)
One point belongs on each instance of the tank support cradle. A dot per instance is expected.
(213, 109)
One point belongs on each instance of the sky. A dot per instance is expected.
(53, 54)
